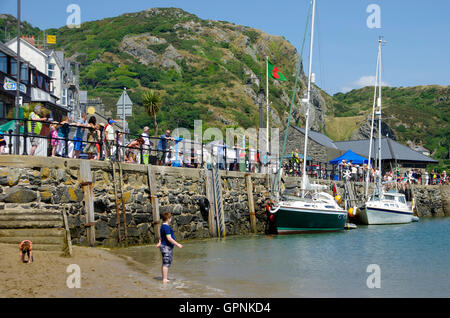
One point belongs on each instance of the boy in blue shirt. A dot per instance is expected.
(166, 244)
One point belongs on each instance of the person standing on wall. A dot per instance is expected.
(163, 147)
(109, 138)
(34, 128)
(78, 138)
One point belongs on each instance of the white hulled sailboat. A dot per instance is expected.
(382, 207)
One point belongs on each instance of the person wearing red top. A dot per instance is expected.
(26, 247)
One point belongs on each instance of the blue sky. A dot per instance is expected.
(416, 31)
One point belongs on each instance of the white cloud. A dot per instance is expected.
(365, 80)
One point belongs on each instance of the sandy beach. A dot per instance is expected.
(103, 274)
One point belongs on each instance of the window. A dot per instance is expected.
(389, 197)
(46, 86)
(13, 66)
(3, 63)
(2, 109)
(401, 199)
(51, 70)
(24, 73)
(39, 80)
(64, 97)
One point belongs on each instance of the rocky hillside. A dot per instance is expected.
(203, 69)
(419, 115)
(211, 70)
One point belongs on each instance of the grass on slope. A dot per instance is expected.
(341, 128)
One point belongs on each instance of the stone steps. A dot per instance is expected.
(18, 217)
(49, 232)
(37, 240)
(20, 211)
(44, 239)
(37, 217)
(25, 224)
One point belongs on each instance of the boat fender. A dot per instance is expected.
(334, 189)
(352, 211)
(338, 199)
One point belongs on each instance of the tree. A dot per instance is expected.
(152, 103)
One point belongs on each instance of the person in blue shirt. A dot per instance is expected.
(78, 143)
(166, 244)
(163, 146)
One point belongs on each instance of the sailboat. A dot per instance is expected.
(315, 210)
(382, 207)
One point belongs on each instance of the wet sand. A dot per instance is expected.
(103, 274)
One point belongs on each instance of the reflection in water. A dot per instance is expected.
(413, 260)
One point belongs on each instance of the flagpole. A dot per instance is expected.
(267, 100)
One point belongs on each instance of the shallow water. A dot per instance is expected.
(413, 261)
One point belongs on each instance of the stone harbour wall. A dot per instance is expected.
(39, 183)
(55, 184)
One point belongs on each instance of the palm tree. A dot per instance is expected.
(152, 103)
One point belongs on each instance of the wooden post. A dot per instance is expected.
(117, 201)
(251, 202)
(210, 197)
(68, 237)
(154, 199)
(125, 232)
(86, 184)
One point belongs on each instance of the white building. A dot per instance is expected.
(64, 82)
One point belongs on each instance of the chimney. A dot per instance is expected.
(30, 40)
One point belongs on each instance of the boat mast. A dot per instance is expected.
(308, 99)
(380, 42)
(371, 128)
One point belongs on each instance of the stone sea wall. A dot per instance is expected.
(55, 183)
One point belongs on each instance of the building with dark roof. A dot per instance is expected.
(323, 149)
(320, 147)
(392, 153)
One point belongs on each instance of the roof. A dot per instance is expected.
(5, 49)
(390, 150)
(26, 43)
(318, 137)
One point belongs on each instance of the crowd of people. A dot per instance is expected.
(293, 166)
(102, 141)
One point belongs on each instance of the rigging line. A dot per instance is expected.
(293, 97)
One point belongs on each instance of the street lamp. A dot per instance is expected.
(17, 104)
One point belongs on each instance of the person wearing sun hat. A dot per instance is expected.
(109, 138)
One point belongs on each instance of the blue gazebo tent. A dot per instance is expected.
(350, 155)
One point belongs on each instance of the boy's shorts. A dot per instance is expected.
(167, 255)
(34, 139)
(78, 144)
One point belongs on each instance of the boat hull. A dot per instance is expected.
(372, 216)
(296, 220)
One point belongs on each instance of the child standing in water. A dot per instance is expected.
(166, 244)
